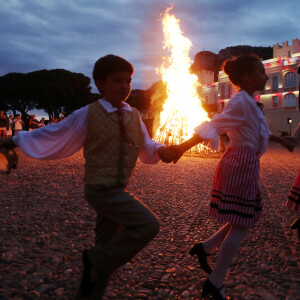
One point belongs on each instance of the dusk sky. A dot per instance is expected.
(72, 35)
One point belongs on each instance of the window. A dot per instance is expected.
(229, 91)
(275, 100)
(290, 80)
(289, 53)
(275, 83)
(222, 92)
(290, 100)
(222, 105)
(215, 98)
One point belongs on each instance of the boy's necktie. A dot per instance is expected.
(124, 135)
(121, 123)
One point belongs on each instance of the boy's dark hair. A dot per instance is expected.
(110, 64)
(237, 67)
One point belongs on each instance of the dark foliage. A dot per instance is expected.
(54, 91)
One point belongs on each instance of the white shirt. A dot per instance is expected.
(242, 120)
(66, 137)
(18, 124)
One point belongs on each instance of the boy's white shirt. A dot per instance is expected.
(66, 137)
(242, 120)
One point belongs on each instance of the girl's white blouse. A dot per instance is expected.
(242, 120)
(66, 137)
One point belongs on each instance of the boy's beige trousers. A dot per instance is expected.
(124, 226)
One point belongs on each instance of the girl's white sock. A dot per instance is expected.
(229, 248)
(216, 239)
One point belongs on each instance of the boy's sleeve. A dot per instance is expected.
(148, 153)
(57, 140)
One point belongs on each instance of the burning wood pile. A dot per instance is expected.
(182, 110)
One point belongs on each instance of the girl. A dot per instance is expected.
(18, 125)
(235, 198)
(293, 201)
(9, 132)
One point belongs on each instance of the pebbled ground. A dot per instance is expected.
(45, 223)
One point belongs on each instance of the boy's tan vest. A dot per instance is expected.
(103, 144)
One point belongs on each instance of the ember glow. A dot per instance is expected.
(182, 110)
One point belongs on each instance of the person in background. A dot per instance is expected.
(3, 124)
(33, 123)
(293, 201)
(61, 117)
(9, 132)
(26, 122)
(42, 123)
(53, 120)
(18, 124)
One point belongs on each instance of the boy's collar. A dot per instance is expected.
(109, 108)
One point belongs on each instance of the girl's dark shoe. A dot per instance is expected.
(296, 225)
(210, 290)
(198, 250)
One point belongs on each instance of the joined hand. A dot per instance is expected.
(170, 154)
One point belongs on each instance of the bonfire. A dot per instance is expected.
(182, 110)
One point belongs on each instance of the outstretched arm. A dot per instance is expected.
(295, 138)
(174, 152)
(55, 141)
(286, 143)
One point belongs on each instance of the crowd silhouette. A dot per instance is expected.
(12, 125)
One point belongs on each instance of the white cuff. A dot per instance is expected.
(208, 132)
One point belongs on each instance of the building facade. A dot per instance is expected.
(281, 95)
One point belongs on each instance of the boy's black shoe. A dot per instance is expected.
(100, 285)
(86, 286)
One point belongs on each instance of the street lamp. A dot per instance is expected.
(289, 120)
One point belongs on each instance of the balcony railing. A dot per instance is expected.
(289, 108)
(289, 89)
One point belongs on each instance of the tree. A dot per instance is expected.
(61, 91)
(139, 99)
(17, 93)
(54, 91)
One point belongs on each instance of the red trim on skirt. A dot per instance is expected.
(236, 196)
(293, 201)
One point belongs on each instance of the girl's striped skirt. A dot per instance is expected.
(293, 201)
(236, 196)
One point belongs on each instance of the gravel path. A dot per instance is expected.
(45, 223)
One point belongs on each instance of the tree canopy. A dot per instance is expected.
(55, 91)
(61, 91)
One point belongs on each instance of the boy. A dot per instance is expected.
(113, 137)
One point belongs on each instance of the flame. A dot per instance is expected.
(182, 110)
